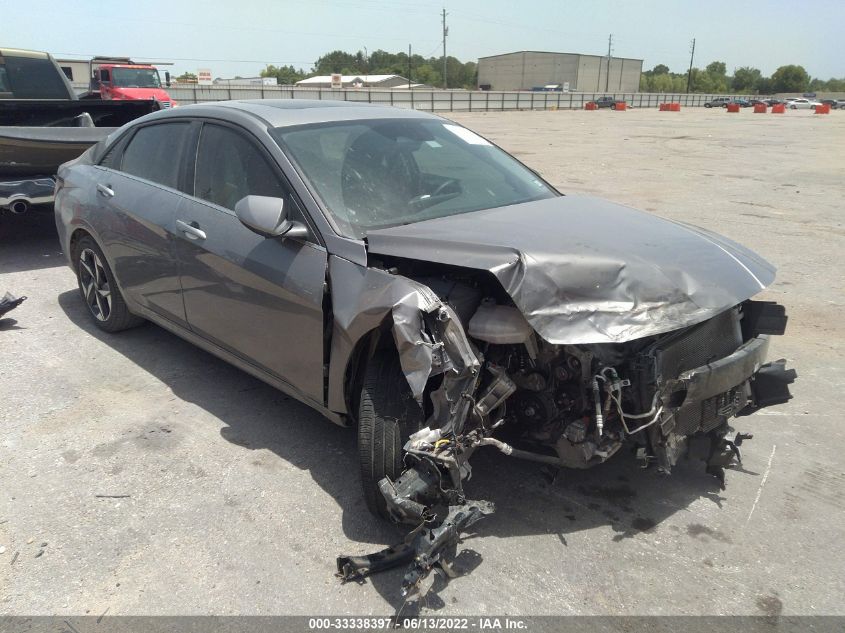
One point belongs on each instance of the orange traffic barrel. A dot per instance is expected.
(733, 107)
(778, 108)
(620, 105)
(760, 108)
(591, 105)
(824, 108)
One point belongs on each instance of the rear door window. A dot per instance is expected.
(155, 153)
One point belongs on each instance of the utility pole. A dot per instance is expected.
(409, 66)
(691, 57)
(607, 75)
(445, 33)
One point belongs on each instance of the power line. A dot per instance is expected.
(198, 59)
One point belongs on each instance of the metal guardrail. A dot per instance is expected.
(436, 100)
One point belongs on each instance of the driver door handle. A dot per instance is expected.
(105, 190)
(191, 230)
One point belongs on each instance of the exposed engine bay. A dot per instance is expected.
(495, 382)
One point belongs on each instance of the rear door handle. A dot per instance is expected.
(191, 230)
(105, 190)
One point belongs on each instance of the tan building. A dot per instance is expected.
(524, 70)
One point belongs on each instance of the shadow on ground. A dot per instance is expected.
(29, 241)
(529, 499)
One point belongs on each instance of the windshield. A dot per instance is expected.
(135, 78)
(379, 173)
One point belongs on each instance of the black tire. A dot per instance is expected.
(387, 416)
(99, 290)
(707, 105)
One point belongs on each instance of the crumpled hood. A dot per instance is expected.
(585, 270)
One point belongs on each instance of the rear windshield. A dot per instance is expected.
(30, 78)
(373, 174)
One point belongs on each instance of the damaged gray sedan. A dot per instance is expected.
(400, 273)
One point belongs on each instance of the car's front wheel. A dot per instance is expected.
(387, 416)
(98, 288)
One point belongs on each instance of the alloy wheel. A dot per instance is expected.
(94, 284)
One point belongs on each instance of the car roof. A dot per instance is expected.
(288, 112)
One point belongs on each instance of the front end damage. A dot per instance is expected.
(499, 384)
(562, 331)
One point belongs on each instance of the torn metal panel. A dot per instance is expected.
(427, 333)
(583, 270)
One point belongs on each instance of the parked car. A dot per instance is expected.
(608, 102)
(801, 104)
(718, 102)
(742, 103)
(771, 102)
(754, 102)
(834, 104)
(398, 272)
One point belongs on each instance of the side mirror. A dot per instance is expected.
(167, 78)
(268, 217)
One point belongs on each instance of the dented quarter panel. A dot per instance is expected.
(585, 270)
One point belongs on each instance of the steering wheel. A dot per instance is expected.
(427, 199)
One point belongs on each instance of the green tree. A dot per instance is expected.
(662, 83)
(660, 69)
(791, 78)
(831, 85)
(187, 78)
(426, 74)
(746, 79)
(716, 69)
(285, 75)
(338, 62)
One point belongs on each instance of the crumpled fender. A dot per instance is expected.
(427, 333)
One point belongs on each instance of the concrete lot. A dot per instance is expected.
(229, 498)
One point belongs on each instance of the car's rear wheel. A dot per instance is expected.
(387, 416)
(99, 291)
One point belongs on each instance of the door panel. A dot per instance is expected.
(141, 200)
(139, 241)
(259, 298)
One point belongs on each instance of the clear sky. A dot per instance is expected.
(239, 38)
